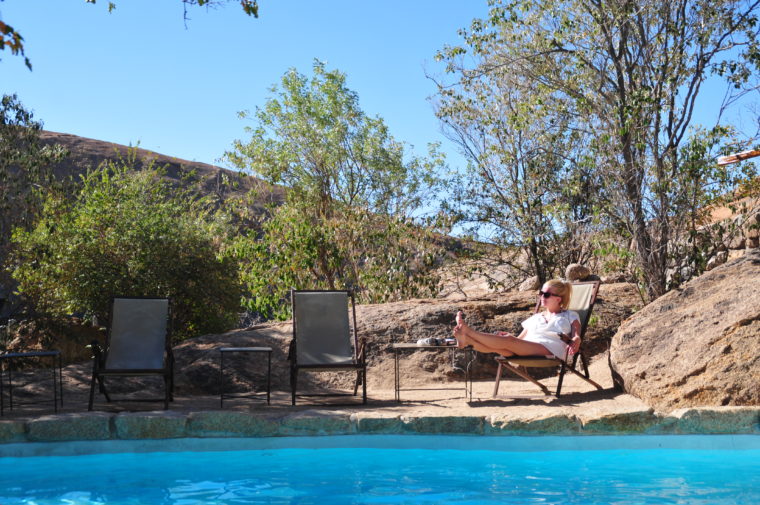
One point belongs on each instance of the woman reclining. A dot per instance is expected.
(542, 333)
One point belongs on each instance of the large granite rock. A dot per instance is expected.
(197, 359)
(698, 345)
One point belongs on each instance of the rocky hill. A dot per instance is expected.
(86, 153)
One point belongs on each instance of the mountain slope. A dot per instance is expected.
(86, 153)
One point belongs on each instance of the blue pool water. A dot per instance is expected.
(383, 472)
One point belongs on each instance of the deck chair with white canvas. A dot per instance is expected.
(581, 301)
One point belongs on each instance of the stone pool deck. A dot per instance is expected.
(517, 411)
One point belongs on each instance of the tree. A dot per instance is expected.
(10, 38)
(128, 233)
(522, 158)
(25, 170)
(632, 71)
(347, 221)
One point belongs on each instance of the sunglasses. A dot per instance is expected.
(547, 294)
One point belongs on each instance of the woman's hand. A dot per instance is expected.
(575, 344)
(503, 334)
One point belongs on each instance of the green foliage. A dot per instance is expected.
(380, 259)
(527, 184)
(621, 80)
(615, 251)
(25, 169)
(13, 41)
(347, 219)
(313, 138)
(131, 234)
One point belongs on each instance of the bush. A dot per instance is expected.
(132, 234)
(380, 259)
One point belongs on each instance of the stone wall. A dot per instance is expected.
(232, 424)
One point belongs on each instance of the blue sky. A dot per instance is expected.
(143, 75)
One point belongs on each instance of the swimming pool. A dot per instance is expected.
(391, 469)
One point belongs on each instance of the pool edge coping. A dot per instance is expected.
(514, 443)
(163, 425)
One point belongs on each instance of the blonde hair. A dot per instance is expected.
(563, 289)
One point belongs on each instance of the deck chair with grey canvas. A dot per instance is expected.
(325, 339)
(581, 301)
(138, 344)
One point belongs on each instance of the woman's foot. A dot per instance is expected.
(460, 331)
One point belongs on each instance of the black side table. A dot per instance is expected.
(226, 350)
(6, 366)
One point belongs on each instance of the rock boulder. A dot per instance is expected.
(698, 345)
(577, 272)
(529, 284)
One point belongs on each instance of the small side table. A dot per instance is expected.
(227, 350)
(6, 366)
(400, 347)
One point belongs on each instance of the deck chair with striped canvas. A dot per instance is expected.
(324, 339)
(138, 344)
(581, 301)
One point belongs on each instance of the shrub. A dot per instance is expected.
(132, 234)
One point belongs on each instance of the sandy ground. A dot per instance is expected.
(418, 398)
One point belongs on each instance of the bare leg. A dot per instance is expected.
(506, 345)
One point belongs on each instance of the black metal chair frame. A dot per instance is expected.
(359, 364)
(100, 372)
